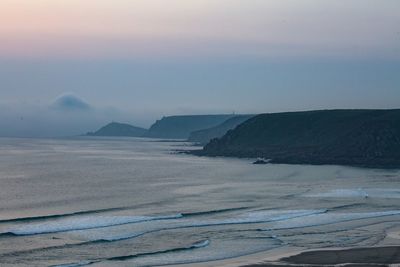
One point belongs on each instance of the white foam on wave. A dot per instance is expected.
(245, 218)
(201, 244)
(196, 245)
(113, 237)
(78, 264)
(346, 193)
(73, 224)
(329, 218)
(217, 249)
(274, 215)
(359, 193)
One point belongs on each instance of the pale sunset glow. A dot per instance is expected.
(123, 28)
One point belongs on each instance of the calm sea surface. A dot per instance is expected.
(134, 202)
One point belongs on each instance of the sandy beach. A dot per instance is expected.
(372, 256)
(386, 253)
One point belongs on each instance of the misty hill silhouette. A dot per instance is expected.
(205, 135)
(119, 129)
(346, 137)
(70, 102)
(180, 127)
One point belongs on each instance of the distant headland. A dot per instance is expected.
(119, 129)
(366, 138)
(196, 128)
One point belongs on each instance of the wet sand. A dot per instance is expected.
(372, 256)
(385, 253)
(354, 257)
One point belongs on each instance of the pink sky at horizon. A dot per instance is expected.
(106, 28)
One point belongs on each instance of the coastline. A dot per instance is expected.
(350, 162)
(348, 137)
(385, 253)
(290, 257)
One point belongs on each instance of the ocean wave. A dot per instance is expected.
(246, 218)
(77, 264)
(199, 244)
(273, 215)
(94, 222)
(84, 223)
(63, 215)
(208, 212)
(97, 211)
(218, 249)
(282, 220)
(346, 206)
(196, 245)
(63, 224)
(181, 223)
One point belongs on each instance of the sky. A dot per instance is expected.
(138, 60)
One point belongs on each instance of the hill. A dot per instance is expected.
(119, 129)
(180, 127)
(347, 137)
(204, 136)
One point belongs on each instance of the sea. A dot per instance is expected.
(141, 202)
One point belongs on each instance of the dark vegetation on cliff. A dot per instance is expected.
(348, 137)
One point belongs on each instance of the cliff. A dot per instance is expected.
(368, 138)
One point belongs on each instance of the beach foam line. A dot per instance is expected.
(306, 220)
(79, 223)
(246, 218)
(84, 223)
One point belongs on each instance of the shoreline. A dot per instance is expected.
(297, 161)
(363, 256)
(385, 253)
(376, 256)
